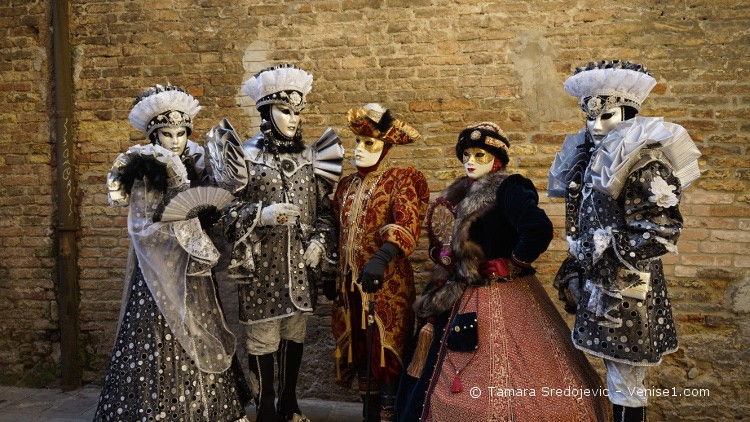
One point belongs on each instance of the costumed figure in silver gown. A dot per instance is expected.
(281, 229)
(622, 177)
(173, 350)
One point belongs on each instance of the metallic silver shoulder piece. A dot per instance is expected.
(559, 175)
(623, 147)
(226, 157)
(328, 156)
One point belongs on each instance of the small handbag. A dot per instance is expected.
(463, 335)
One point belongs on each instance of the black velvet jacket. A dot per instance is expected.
(496, 217)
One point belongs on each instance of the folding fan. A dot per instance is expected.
(189, 203)
(441, 217)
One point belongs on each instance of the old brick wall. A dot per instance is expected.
(29, 339)
(439, 65)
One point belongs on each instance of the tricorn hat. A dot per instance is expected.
(375, 121)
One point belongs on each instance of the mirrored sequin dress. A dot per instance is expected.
(152, 378)
(173, 350)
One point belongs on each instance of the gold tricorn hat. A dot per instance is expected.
(375, 121)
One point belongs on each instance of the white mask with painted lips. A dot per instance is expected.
(285, 119)
(604, 123)
(173, 138)
(477, 162)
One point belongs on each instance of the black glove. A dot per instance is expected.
(371, 277)
(329, 289)
(208, 217)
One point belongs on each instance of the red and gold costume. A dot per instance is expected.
(382, 204)
(387, 205)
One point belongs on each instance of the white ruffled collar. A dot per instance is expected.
(620, 150)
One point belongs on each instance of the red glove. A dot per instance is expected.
(499, 267)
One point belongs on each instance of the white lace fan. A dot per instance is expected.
(188, 203)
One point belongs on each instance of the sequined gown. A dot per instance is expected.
(151, 377)
(172, 358)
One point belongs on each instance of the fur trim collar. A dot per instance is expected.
(471, 201)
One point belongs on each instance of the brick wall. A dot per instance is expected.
(439, 65)
(29, 339)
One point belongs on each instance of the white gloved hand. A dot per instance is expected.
(312, 254)
(279, 214)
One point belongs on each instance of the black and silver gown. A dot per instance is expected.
(172, 358)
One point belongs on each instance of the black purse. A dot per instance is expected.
(464, 335)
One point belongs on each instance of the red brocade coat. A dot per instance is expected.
(386, 205)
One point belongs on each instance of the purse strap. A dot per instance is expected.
(473, 295)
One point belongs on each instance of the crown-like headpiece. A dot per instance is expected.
(163, 106)
(607, 84)
(375, 121)
(282, 84)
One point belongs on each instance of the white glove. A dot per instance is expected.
(312, 254)
(279, 214)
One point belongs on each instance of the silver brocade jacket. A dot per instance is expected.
(622, 215)
(266, 261)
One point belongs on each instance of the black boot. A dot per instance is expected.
(262, 369)
(387, 401)
(243, 389)
(289, 357)
(371, 402)
(634, 414)
(628, 414)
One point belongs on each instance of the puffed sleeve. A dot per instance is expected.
(650, 200)
(520, 204)
(410, 200)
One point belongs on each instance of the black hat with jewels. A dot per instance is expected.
(487, 136)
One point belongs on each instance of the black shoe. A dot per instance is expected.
(628, 414)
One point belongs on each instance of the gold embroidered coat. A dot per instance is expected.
(386, 205)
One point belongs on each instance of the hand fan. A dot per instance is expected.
(189, 203)
(440, 220)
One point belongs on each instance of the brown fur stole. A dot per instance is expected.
(473, 199)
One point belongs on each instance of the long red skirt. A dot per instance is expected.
(525, 367)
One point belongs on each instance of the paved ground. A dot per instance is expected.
(43, 405)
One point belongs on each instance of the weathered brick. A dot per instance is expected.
(440, 66)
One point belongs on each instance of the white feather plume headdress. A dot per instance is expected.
(162, 106)
(607, 84)
(282, 84)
